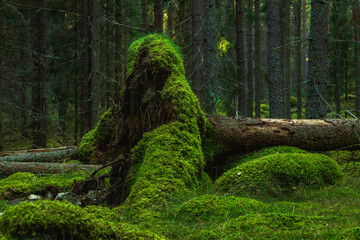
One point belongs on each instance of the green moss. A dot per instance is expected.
(169, 159)
(61, 220)
(219, 208)
(96, 136)
(280, 173)
(22, 184)
(237, 160)
(277, 226)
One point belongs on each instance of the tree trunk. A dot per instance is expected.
(198, 49)
(158, 15)
(39, 80)
(85, 56)
(8, 168)
(109, 53)
(304, 43)
(118, 51)
(39, 155)
(316, 83)
(297, 57)
(287, 60)
(241, 135)
(258, 59)
(240, 57)
(169, 23)
(356, 62)
(250, 78)
(210, 64)
(94, 63)
(276, 101)
(337, 55)
(143, 14)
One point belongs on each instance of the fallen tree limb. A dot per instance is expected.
(39, 155)
(8, 168)
(239, 135)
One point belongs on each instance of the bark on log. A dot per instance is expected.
(239, 135)
(39, 155)
(8, 168)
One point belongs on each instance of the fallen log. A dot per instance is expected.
(8, 168)
(40, 155)
(240, 135)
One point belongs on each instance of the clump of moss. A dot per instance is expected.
(22, 183)
(169, 159)
(237, 160)
(62, 220)
(280, 173)
(96, 136)
(218, 208)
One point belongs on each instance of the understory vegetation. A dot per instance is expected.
(309, 210)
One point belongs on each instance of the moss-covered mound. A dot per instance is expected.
(237, 160)
(280, 173)
(62, 220)
(97, 136)
(219, 208)
(22, 184)
(168, 159)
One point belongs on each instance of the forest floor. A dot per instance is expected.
(332, 212)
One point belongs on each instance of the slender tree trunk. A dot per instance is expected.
(109, 52)
(287, 60)
(210, 64)
(143, 14)
(85, 58)
(316, 86)
(159, 15)
(337, 54)
(169, 24)
(356, 54)
(198, 49)
(276, 102)
(250, 60)
(258, 59)
(240, 57)
(95, 63)
(304, 42)
(118, 51)
(77, 78)
(297, 56)
(39, 121)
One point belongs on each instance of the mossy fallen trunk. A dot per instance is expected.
(8, 168)
(40, 155)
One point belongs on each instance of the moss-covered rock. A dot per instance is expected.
(168, 159)
(61, 220)
(219, 208)
(280, 173)
(22, 184)
(98, 135)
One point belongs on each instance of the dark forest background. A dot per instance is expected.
(63, 62)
